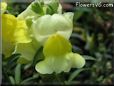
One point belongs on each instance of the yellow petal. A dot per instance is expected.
(56, 45)
(7, 48)
(27, 51)
(53, 65)
(77, 60)
(21, 32)
(8, 27)
(13, 31)
(3, 7)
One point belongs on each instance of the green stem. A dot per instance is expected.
(36, 56)
(57, 76)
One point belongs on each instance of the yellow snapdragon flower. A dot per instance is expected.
(13, 31)
(41, 29)
(58, 56)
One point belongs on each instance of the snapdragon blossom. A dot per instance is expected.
(14, 31)
(58, 56)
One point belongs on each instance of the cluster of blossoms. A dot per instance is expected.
(42, 24)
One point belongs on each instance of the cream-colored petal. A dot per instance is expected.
(47, 25)
(43, 68)
(27, 50)
(77, 60)
(27, 13)
(3, 6)
(53, 65)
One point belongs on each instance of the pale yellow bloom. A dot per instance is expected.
(48, 25)
(27, 51)
(58, 56)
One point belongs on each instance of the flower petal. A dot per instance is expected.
(8, 28)
(53, 64)
(7, 48)
(3, 6)
(27, 13)
(13, 31)
(47, 25)
(56, 45)
(55, 50)
(21, 32)
(27, 51)
(77, 60)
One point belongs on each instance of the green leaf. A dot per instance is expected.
(77, 15)
(12, 80)
(75, 74)
(37, 8)
(18, 74)
(52, 8)
(89, 57)
(29, 79)
(38, 56)
(49, 10)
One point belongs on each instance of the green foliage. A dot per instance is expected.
(37, 8)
